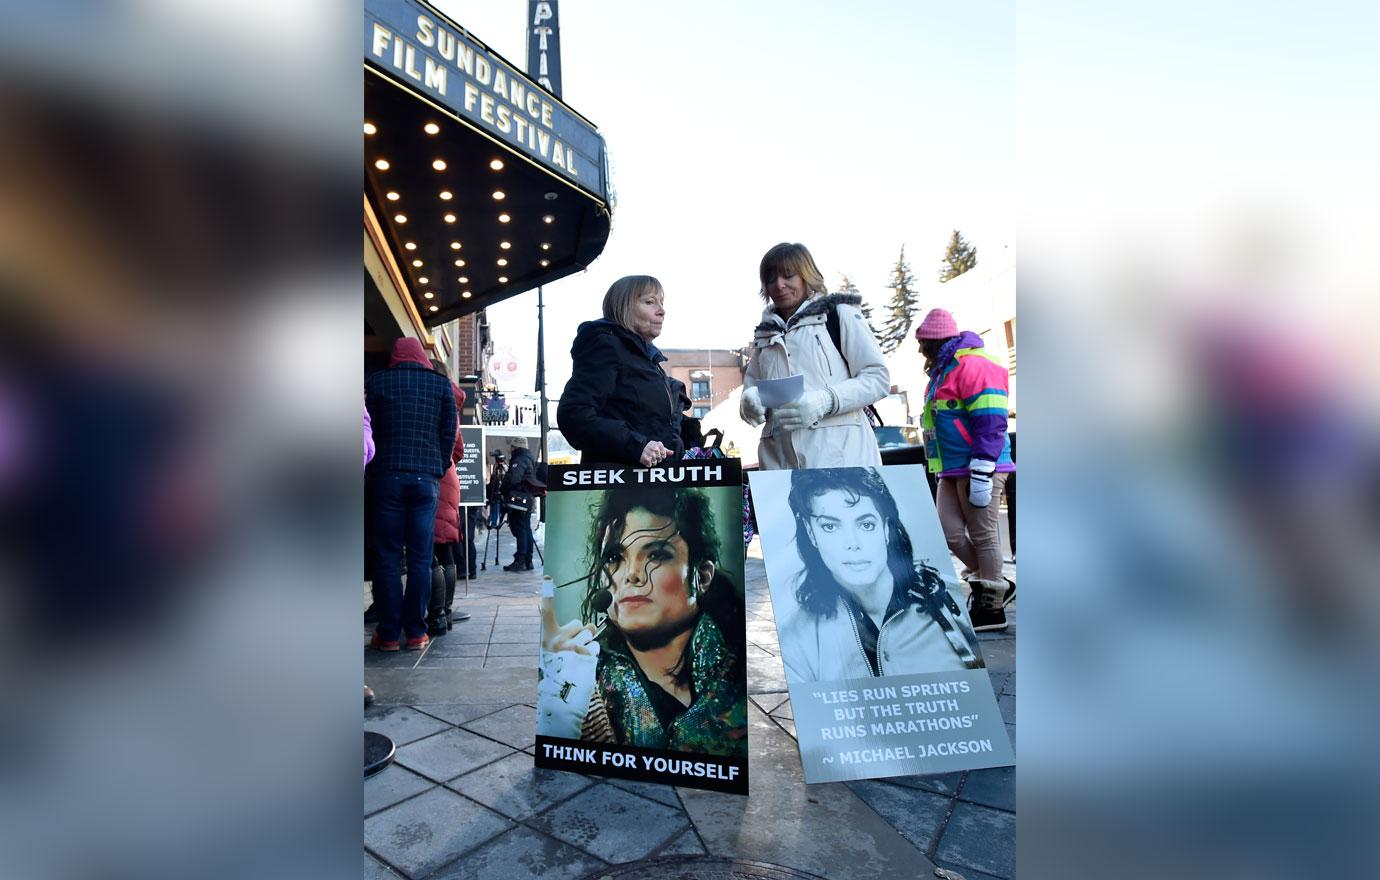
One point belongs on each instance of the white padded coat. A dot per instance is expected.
(802, 345)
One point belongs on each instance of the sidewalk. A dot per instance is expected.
(463, 800)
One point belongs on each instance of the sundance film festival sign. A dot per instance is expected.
(418, 46)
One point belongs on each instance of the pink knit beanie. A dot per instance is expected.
(938, 324)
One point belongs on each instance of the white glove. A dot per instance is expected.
(750, 408)
(565, 677)
(980, 481)
(803, 412)
(567, 683)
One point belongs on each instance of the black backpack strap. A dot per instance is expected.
(831, 323)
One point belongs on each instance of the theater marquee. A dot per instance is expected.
(439, 58)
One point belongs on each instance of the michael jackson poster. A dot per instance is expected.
(642, 665)
(884, 670)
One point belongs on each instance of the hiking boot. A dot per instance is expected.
(986, 605)
(987, 621)
(436, 626)
(516, 565)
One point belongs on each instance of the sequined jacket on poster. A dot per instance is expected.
(925, 635)
(965, 411)
(715, 723)
(856, 374)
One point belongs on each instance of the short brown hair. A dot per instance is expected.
(618, 302)
(791, 259)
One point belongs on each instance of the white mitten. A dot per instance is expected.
(980, 481)
(803, 412)
(750, 408)
(567, 683)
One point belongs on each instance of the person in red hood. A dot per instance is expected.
(415, 422)
(447, 550)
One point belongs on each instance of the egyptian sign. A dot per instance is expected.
(643, 671)
(431, 54)
(884, 670)
(471, 467)
(544, 44)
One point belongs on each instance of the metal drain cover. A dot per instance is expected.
(700, 868)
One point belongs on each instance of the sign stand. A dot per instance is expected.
(378, 752)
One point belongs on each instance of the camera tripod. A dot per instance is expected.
(502, 521)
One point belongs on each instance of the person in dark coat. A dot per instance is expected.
(619, 406)
(415, 422)
(494, 491)
(518, 500)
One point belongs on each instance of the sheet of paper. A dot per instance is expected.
(777, 392)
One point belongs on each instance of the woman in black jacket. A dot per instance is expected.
(619, 406)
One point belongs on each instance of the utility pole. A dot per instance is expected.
(541, 381)
(709, 367)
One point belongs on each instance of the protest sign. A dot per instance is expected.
(884, 671)
(642, 671)
(470, 468)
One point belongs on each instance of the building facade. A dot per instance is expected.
(710, 374)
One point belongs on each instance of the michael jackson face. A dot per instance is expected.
(646, 567)
(850, 534)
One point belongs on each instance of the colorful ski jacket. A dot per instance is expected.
(965, 411)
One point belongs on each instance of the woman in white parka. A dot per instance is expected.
(827, 425)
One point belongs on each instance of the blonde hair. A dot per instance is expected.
(791, 259)
(623, 293)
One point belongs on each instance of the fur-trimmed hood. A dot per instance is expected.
(815, 305)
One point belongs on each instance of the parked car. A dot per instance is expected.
(900, 444)
(890, 436)
(904, 444)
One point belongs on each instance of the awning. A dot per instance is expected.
(482, 183)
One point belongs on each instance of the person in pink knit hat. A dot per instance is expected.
(967, 448)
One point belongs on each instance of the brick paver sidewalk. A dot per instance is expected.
(463, 800)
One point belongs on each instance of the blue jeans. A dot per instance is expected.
(404, 519)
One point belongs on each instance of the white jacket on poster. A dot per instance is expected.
(819, 648)
(802, 345)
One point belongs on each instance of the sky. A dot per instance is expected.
(854, 128)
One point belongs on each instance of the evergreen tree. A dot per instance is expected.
(847, 286)
(900, 312)
(959, 257)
